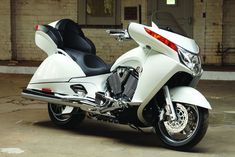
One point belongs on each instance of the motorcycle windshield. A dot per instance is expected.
(167, 21)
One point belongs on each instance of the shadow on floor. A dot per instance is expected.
(121, 134)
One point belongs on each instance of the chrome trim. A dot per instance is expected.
(169, 105)
(83, 104)
(86, 104)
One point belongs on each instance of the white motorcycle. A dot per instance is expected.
(149, 86)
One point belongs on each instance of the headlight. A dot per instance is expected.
(192, 61)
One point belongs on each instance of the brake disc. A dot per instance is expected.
(178, 125)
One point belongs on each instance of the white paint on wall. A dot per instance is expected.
(17, 69)
(218, 75)
(11, 150)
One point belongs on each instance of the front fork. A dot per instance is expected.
(169, 105)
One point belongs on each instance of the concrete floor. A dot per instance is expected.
(26, 128)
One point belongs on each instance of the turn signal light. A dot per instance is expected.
(161, 38)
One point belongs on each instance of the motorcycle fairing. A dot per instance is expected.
(138, 33)
(182, 41)
(91, 84)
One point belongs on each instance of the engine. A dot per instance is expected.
(122, 83)
(121, 86)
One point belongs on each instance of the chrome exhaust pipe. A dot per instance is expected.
(83, 103)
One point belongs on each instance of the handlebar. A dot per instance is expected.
(119, 34)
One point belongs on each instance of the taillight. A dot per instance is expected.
(36, 27)
(161, 38)
(46, 90)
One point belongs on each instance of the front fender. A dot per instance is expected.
(189, 95)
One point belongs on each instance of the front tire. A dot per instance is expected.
(185, 132)
(70, 119)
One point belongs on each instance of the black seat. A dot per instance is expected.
(73, 36)
(90, 64)
(80, 48)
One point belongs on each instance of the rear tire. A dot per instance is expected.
(69, 120)
(183, 136)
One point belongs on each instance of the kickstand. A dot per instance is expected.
(136, 128)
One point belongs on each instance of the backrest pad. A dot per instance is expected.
(73, 37)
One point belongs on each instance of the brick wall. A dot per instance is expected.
(199, 26)
(213, 30)
(208, 29)
(5, 31)
(107, 47)
(229, 30)
(30, 13)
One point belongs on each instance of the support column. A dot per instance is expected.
(13, 30)
(5, 31)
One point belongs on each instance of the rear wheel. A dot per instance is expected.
(65, 116)
(187, 130)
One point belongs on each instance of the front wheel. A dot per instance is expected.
(187, 130)
(65, 116)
